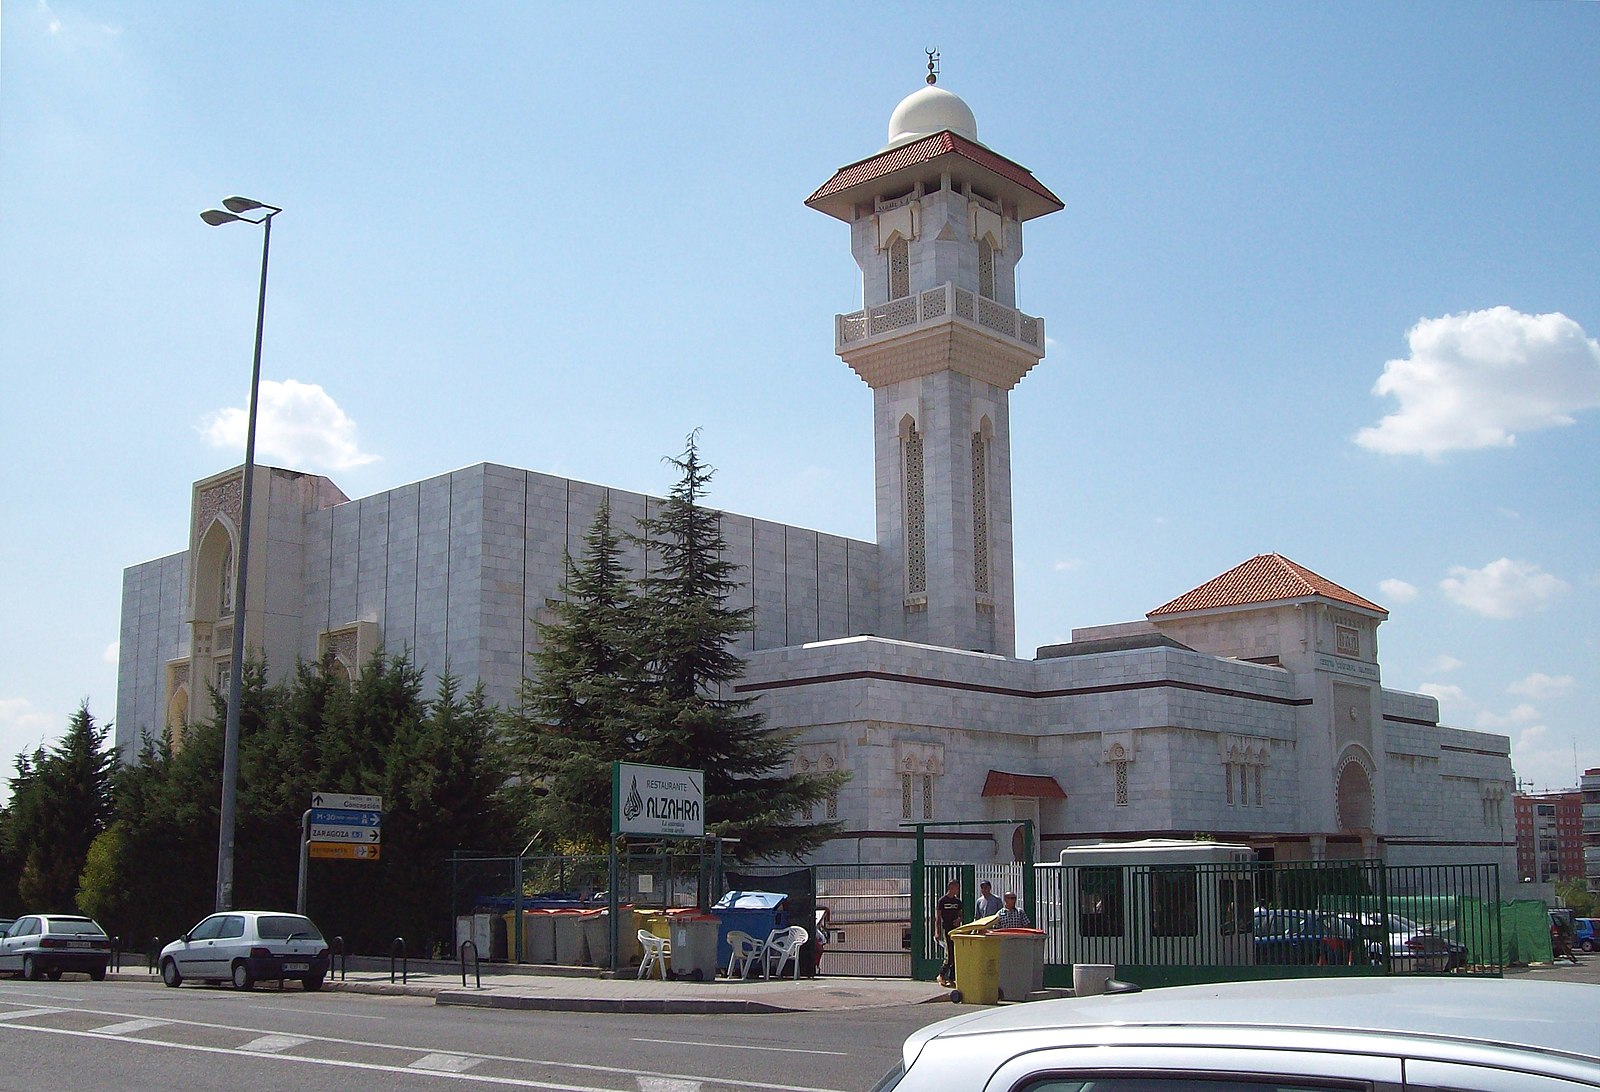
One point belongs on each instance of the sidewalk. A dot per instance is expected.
(585, 989)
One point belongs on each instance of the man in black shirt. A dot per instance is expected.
(947, 915)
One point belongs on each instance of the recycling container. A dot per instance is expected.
(570, 945)
(755, 912)
(977, 956)
(694, 939)
(1021, 962)
(538, 937)
(597, 936)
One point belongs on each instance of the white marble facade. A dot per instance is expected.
(1250, 709)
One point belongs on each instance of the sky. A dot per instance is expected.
(1325, 285)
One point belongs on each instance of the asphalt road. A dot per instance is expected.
(77, 1034)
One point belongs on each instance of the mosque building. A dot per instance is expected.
(1249, 709)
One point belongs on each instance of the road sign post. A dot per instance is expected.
(339, 826)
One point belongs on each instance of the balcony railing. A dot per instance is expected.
(936, 305)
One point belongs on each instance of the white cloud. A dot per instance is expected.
(1499, 722)
(1478, 378)
(1503, 589)
(1067, 564)
(112, 653)
(1398, 591)
(1540, 686)
(22, 728)
(1443, 693)
(299, 425)
(1446, 662)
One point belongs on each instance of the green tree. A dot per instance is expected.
(686, 633)
(1575, 895)
(60, 802)
(580, 710)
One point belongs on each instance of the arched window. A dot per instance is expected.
(980, 511)
(985, 268)
(225, 575)
(899, 268)
(916, 527)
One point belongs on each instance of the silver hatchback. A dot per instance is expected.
(248, 946)
(1375, 1033)
(46, 945)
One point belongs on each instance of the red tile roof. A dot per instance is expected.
(926, 150)
(1023, 784)
(1265, 578)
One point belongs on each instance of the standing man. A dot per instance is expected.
(1010, 917)
(947, 915)
(988, 901)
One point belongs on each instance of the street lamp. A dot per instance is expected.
(236, 208)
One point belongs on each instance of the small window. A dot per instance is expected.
(899, 268)
(232, 926)
(985, 268)
(1174, 902)
(1100, 902)
(1121, 765)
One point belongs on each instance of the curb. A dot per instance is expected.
(634, 1005)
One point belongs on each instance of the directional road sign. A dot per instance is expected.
(364, 835)
(346, 800)
(344, 851)
(345, 817)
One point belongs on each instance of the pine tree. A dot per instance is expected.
(579, 713)
(61, 801)
(686, 633)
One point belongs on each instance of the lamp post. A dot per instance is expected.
(236, 208)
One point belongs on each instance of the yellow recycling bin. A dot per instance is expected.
(977, 957)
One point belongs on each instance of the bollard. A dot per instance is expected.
(397, 950)
(336, 949)
(477, 967)
(154, 955)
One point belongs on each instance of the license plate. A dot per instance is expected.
(297, 966)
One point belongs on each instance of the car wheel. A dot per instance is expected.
(241, 977)
(1588, 945)
(955, 996)
(30, 969)
(54, 975)
(312, 982)
(169, 973)
(97, 974)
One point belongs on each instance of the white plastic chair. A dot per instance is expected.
(783, 946)
(657, 950)
(746, 954)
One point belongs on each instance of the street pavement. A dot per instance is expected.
(582, 989)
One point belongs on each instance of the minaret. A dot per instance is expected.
(936, 227)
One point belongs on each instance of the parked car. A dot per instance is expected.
(248, 946)
(1420, 949)
(48, 945)
(1306, 937)
(1360, 1032)
(1586, 933)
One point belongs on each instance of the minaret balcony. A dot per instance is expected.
(943, 304)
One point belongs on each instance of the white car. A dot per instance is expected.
(1367, 1032)
(246, 947)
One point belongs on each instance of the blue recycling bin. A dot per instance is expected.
(755, 912)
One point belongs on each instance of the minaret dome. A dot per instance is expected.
(930, 110)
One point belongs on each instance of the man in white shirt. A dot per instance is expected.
(988, 902)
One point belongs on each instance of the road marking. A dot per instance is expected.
(445, 1063)
(269, 1044)
(688, 1079)
(297, 1010)
(129, 1026)
(667, 1084)
(743, 1046)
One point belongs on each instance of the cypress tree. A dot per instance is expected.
(689, 717)
(579, 712)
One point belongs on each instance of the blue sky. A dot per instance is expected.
(1325, 284)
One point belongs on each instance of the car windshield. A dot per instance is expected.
(76, 927)
(279, 926)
